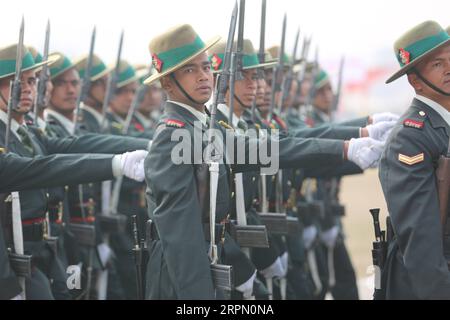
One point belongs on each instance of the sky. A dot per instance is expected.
(364, 31)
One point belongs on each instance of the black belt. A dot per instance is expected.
(154, 235)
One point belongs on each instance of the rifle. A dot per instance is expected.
(337, 96)
(44, 76)
(85, 82)
(112, 83)
(19, 261)
(290, 75)
(277, 77)
(315, 71)
(138, 259)
(443, 186)
(379, 251)
(302, 71)
(261, 52)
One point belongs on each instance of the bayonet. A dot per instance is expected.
(40, 102)
(86, 81)
(112, 83)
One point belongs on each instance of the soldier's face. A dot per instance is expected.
(324, 98)
(66, 89)
(436, 69)
(98, 89)
(305, 88)
(28, 91)
(261, 91)
(245, 89)
(195, 78)
(152, 100)
(123, 99)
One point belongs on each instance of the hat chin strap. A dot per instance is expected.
(172, 75)
(432, 86)
(241, 103)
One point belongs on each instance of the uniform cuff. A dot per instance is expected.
(117, 166)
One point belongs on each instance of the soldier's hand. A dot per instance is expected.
(329, 237)
(309, 235)
(384, 116)
(131, 164)
(365, 152)
(381, 130)
(275, 270)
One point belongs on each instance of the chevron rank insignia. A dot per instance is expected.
(413, 124)
(411, 160)
(174, 123)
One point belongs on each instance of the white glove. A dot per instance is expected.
(130, 164)
(309, 235)
(104, 253)
(365, 152)
(384, 116)
(284, 262)
(247, 287)
(18, 297)
(274, 270)
(381, 130)
(329, 237)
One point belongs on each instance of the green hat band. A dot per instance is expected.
(321, 79)
(64, 65)
(38, 58)
(127, 74)
(248, 61)
(9, 66)
(420, 47)
(94, 71)
(171, 58)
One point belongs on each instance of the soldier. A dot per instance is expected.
(60, 116)
(149, 109)
(22, 173)
(180, 268)
(92, 105)
(30, 141)
(417, 263)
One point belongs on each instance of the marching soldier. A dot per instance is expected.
(180, 268)
(29, 141)
(417, 261)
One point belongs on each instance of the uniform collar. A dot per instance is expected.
(200, 116)
(143, 120)
(322, 115)
(40, 123)
(97, 115)
(68, 125)
(445, 115)
(226, 112)
(14, 124)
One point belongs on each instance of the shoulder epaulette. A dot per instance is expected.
(174, 123)
(414, 123)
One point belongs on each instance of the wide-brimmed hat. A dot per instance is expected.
(417, 44)
(126, 74)
(275, 53)
(8, 61)
(144, 71)
(98, 70)
(62, 64)
(175, 48)
(250, 59)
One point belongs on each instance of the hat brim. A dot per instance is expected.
(128, 81)
(60, 72)
(145, 73)
(265, 65)
(101, 74)
(411, 65)
(157, 76)
(36, 67)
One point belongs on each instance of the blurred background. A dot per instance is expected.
(362, 31)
